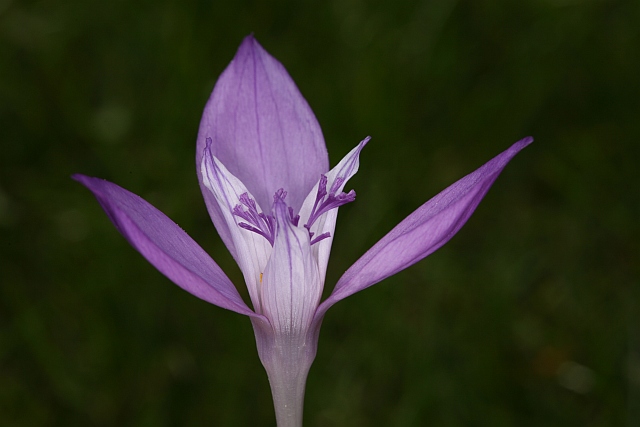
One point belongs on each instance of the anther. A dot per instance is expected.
(325, 202)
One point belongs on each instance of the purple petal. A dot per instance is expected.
(252, 251)
(422, 232)
(291, 286)
(347, 167)
(165, 245)
(263, 131)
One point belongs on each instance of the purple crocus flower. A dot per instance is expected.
(264, 172)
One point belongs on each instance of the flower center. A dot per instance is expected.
(265, 225)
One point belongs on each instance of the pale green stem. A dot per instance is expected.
(287, 359)
(288, 397)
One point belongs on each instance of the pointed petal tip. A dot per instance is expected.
(87, 181)
(523, 142)
(362, 144)
(248, 46)
(78, 177)
(96, 185)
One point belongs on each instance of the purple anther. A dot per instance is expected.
(280, 195)
(294, 218)
(331, 201)
(265, 225)
(322, 188)
(336, 185)
(257, 222)
(320, 237)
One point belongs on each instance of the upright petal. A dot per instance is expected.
(344, 170)
(263, 130)
(291, 285)
(423, 231)
(165, 245)
(252, 251)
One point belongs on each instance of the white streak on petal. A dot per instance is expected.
(253, 250)
(291, 282)
(347, 167)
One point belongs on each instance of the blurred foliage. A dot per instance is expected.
(529, 317)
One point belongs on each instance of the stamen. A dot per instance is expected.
(257, 231)
(265, 225)
(280, 195)
(257, 222)
(294, 219)
(336, 184)
(331, 201)
(320, 237)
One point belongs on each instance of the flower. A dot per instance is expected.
(264, 172)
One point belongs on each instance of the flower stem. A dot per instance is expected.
(287, 359)
(288, 397)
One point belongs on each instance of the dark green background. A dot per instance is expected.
(529, 317)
